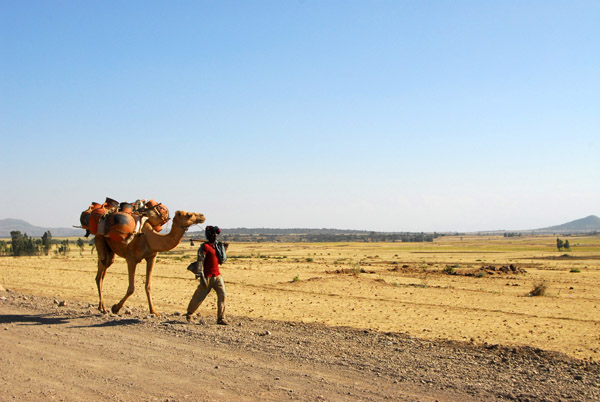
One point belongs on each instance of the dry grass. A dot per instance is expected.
(399, 287)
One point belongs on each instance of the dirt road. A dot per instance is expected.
(70, 352)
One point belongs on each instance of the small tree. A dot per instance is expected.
(17, 242)
(559, 244)
(567, 246)
(22, 244)
(80, 244)
(47, 242)
(64, 247)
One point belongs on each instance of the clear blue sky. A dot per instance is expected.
(376, 115)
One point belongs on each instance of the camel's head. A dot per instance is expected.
(187, 219)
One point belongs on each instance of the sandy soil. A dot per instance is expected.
(375, 321)
(52, 350)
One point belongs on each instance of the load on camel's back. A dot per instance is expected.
(120, 221)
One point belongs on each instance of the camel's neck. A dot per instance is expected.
(166, 242)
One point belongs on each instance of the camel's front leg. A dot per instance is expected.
(149, 267)
(131, 265)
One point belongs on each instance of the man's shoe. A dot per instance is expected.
(222, 322)
(188, 318)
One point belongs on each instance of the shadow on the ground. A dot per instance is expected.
(36, 319)
(47, 319)
(112, 323)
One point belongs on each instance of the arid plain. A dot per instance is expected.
(429, 290)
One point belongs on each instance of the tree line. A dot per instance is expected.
(330, 237)
(22, 245)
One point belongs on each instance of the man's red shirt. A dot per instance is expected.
(211, 262)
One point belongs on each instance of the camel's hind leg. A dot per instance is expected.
(131, 265)
(105, 259)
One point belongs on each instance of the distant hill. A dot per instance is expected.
(584, 225)
(588, 224)
(9, 225)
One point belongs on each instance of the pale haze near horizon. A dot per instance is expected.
(373, 115)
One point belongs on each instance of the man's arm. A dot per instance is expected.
(201, 253)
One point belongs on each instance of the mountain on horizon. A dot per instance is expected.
(587, 224)
(10, 225)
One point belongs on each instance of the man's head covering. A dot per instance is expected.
(210, 230)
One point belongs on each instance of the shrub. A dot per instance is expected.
(575, 270)
(539, 289)
(356, 269)
(449, 269)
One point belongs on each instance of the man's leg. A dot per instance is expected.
(197, 299)
(219, 287)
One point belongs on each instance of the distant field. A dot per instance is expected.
(430, 290)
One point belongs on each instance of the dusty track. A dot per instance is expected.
(72, 353)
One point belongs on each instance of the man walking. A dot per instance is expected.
(210, 254)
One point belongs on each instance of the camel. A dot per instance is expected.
(144, 246)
